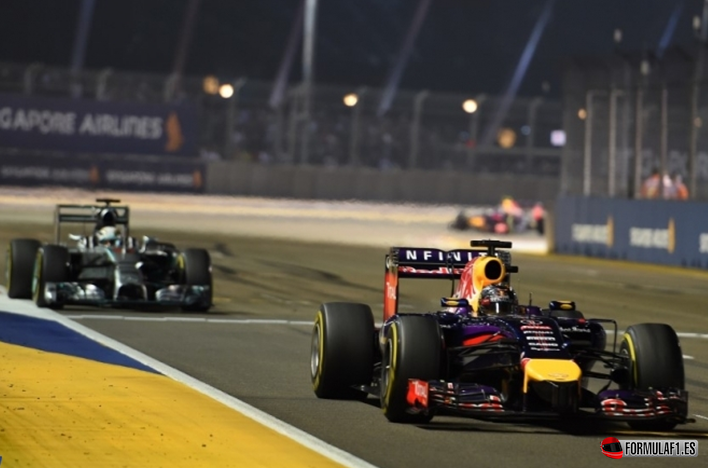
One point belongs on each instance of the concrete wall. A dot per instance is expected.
(315, 182)
(653, 231)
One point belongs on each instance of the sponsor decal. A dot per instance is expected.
(648, 238)
(537, 337)
(435, 255)
(423, 271)
(575, 329)
(58, 175)
(96, 126)
(153, 178)
(390, 292)
(594, 233)
(703, 242)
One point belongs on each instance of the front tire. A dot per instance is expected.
(195, 268)
(413, 350)
(19, 267)
(51, 266)
(656, 362)
(342, 350)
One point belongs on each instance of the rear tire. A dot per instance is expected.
(19, 267)
(195, 266)
(51, 266)
(413, 350)
(342, 352)
(656, 362)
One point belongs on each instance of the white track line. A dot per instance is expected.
(189, 319)
(701, 416)
(703, 336)
(300, 436)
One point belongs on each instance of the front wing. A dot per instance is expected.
(481, 401)
(75, 293)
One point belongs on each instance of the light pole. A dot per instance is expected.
(587, 157)
(308, 65)
(80, 42)
(102, 84)
(353, 100)
(612, 149)
(700, 27)
(639, 128)
(471, 106)
(626, 111)
(531, 140)
(415, 127)
(231, 92)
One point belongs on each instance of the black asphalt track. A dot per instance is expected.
(267, 364)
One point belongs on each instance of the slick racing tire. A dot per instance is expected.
(51, 266)
(413, 350)
(342, 351)
(195, 270)
(19, 266)
(656, 361)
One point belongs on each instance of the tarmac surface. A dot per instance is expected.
(254, 345)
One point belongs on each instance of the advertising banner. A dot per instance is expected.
(654, 231)
(86, 126)
(145, 175)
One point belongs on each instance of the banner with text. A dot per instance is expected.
(80, 125)
(653, 231)
(118, 174)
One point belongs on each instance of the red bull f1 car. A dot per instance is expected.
(484, 355)
(106, 266)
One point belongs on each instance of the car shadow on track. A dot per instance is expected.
(577, 427)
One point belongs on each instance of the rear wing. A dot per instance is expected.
(415, 262)
(412, 262)
(94, 214)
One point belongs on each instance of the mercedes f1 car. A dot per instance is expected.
(107, 267)
(483, 355)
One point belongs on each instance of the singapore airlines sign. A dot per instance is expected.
(96, 126)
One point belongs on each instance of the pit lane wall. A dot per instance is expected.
(651, 231)
(191, 175)
(361, 183)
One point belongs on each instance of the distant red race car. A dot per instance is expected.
(505, 219)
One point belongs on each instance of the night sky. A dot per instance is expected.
(464, 45)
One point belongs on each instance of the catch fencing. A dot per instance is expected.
(626, 115)
(421, 130)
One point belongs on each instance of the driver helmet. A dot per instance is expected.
(108, 236)
(497, 299)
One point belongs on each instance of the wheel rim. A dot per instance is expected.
(387, 369)
(315, 351)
